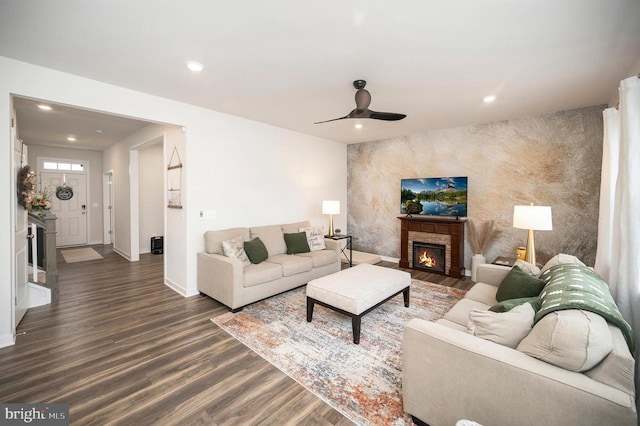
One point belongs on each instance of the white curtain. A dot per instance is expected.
(618, 253)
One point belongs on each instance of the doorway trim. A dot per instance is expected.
(107, 207)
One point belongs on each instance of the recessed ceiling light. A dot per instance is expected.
(489, 98)
(100, 131)
(44, 107)
(195, 66)
(358, 126)
(71, 139)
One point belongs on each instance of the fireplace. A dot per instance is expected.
(429, 257)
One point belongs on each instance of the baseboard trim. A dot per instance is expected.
(121, 253)
(179, 289)
(7, 340)
(390, 259)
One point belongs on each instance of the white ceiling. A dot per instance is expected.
(290, 63)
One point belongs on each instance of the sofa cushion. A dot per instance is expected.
(574, 339)
(256, 250)
(561, 258)
(213, 239)
(617, 368)
(517, 284)
(292, 265)
(296, 243)
(321, 258)
(507, 328)
(234, 249)
(460, 311)
(507, 305)
(315, 237)
(289, 228)
(482, 292)
(256, 274)
(272, 237)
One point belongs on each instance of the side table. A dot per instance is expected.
(505, 261)
(349, 245)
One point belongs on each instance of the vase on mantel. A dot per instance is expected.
(476, 259)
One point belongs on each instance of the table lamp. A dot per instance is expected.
(532, 218)
(331, 208)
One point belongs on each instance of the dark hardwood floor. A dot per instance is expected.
(122, 348)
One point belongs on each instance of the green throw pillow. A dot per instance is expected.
(297, 243)
(507, 305)
(518, 284)
(256, 251)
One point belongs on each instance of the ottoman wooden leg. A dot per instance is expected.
(310, 304)
(405, 295)
(356, 320)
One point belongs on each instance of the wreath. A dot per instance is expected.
(26, 186)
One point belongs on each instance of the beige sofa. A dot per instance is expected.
(450, 374)
(230, 282)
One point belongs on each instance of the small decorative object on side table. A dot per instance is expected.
(349, 245)
(505, 261)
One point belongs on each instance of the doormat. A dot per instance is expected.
(80, 254)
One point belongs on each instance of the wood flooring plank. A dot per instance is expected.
(122, 348)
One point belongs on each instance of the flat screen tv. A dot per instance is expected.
(441, 196)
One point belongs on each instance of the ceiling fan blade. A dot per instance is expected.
(387, 116)
(333, 119)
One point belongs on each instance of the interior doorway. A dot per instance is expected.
(147, 189)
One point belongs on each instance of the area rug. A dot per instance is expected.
(363, 382)
(80, 254)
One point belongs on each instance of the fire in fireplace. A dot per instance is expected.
(429, 257)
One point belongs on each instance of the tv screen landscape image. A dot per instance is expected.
(441, 196)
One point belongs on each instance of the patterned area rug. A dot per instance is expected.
(362, 381)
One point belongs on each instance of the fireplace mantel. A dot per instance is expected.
(428, 226)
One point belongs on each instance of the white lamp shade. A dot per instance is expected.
(537, 218)
(331, 207)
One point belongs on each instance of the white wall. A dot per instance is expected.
(94, 184)
(151, 206)
(250, 173)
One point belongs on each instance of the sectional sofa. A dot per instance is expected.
(571, 368)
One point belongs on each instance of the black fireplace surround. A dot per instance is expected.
(429, 257)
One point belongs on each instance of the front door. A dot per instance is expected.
(72, 212)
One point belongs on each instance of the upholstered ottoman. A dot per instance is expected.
(357, 291)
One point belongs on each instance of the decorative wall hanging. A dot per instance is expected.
(64, 192)
(174, 181)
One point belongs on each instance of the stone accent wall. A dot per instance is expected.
(553, 159)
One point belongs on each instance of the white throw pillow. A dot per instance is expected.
(315, 238)
(506, 328)
(234, 248)
(573, 339)
(561, 258)
(529, 268)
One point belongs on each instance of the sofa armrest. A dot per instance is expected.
(220, 278)
(449, 375)
(491, 274)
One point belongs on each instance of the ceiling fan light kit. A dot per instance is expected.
(363, 99)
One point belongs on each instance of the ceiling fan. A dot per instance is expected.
(363, 99)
